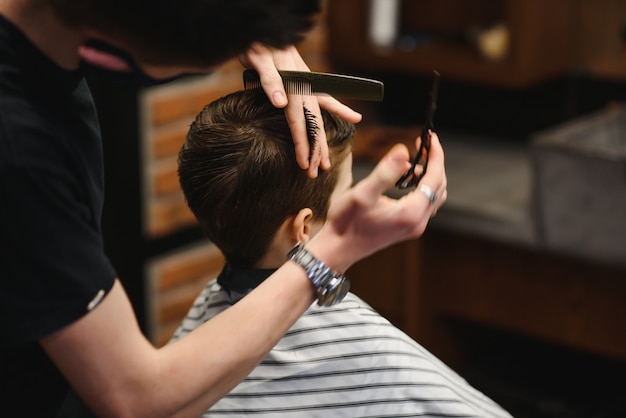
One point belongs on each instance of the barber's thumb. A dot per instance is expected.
(387, 172)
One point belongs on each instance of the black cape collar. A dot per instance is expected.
(238, 281)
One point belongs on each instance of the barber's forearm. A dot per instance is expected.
(224, 350)
(241, 336)
(119, 374)
(330, 248)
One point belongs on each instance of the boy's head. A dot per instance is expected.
(240, 177)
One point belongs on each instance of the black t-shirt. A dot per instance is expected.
(52, 261)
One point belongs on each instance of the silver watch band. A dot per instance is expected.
(331, 287)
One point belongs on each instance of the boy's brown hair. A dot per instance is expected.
(240, 177)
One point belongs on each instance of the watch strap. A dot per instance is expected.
(330, 286)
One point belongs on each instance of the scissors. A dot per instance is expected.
(409, 178)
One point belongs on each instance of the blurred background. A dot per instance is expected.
(519, 282)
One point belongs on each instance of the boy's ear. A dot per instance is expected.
(301, 225)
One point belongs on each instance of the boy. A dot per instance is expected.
(239, 175)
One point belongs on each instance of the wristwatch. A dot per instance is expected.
(331, 287)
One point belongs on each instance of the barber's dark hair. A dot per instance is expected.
(193, 32)
(240, 177)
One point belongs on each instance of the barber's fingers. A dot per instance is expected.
(309, 136)
(325, 102)
(294, 112)
(396, 162)
(289, 59)
(319, 154)
(307, 130)
(267, 61)
(436, 157)
(414, 208)
(384, 175)
(335, 106)
(435, 176)
(260, 58)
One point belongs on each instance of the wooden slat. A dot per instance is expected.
(173, 306)
(167, 143)
(165, 179)
(168, 109)
(176, 280)
(178, 271)
(168, 215)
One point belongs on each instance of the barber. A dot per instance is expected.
(65, 319)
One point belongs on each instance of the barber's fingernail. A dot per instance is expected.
(280, 99)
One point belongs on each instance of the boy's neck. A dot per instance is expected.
(274, 257)
(276, 253)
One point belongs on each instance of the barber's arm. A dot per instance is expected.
(118, 373)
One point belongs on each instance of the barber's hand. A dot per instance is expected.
(266, 61)
(363, 220)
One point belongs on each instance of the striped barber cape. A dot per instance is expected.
(342, 361)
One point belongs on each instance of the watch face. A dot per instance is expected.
(335, 292)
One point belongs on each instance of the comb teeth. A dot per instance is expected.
(299, 87)
(251, 84)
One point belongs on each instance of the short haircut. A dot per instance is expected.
(193, 32)
(240, 177)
